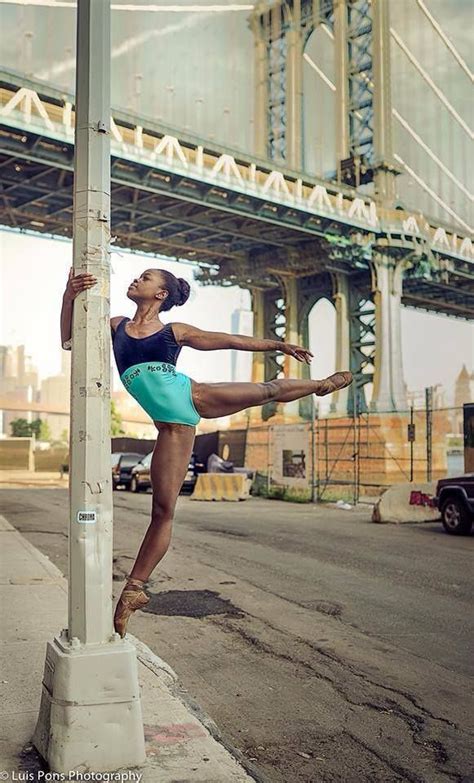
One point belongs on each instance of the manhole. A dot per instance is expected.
(190, 603)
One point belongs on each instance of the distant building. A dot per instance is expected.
(463, 388)
(463, 392)
(417, 399)
(18, 383)
(55, 394)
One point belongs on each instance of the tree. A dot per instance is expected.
(45, 432)
(20, 428)
(116, 426)
(35, 428)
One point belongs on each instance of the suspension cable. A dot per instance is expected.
(430, 152)
(431, 83)
(433, 195)
(407, 127)
(445, 39)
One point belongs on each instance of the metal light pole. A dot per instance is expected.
(90, 715)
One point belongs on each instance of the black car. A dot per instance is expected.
(141, 480)
(122, 464)
(455, 500)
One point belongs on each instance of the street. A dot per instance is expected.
(324, 647)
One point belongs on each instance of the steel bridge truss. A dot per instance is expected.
(274, 23)
(360, 80)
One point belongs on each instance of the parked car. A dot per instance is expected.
(190, 478)
(122, 464)
(455, 500)
(141, 479)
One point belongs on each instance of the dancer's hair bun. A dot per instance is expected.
(184, 290)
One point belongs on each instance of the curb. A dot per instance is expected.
(149, 659)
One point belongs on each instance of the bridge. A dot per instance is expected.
(260, 221)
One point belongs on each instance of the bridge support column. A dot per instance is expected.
(258, 358)
(385, 168)
(294, 89)
(261, 91)
(292, 367)
(389, 392)
(355, 341)
(340, 399)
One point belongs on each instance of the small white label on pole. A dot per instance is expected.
(86, 517)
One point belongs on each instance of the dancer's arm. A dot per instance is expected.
(75, 285)
(193, 337)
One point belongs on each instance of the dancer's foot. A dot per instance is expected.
(339, 380)
(133, 597)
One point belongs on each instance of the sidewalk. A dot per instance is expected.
(182, 744)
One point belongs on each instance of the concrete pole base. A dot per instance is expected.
(90, 716)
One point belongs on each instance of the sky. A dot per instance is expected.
(33, 274)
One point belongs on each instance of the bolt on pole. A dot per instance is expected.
(90, 715)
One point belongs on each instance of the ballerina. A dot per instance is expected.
(146, 351)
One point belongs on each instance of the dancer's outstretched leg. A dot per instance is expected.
(169, 465)
(222, 399)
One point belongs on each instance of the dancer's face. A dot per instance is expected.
(148, 287)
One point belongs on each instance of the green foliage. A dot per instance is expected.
(21, 428)
(35, 427)
(279, 492)
(45, 431)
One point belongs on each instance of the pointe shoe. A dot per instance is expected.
(339, 380)
(133, 597)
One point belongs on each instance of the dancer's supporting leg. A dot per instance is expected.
(169, 465)
(222, 399)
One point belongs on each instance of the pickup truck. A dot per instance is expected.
(455, 500)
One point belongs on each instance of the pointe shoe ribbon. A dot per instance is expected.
(133, 597)
(339, 380)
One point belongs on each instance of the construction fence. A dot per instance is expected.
(356, 457)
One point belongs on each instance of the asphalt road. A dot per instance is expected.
(325, 648)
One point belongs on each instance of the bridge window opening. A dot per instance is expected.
(319, 106)
(322, 343)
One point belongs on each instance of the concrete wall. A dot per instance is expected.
(17, 453)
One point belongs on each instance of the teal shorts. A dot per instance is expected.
(162, 392)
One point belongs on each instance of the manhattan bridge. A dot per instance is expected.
(302, 149)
